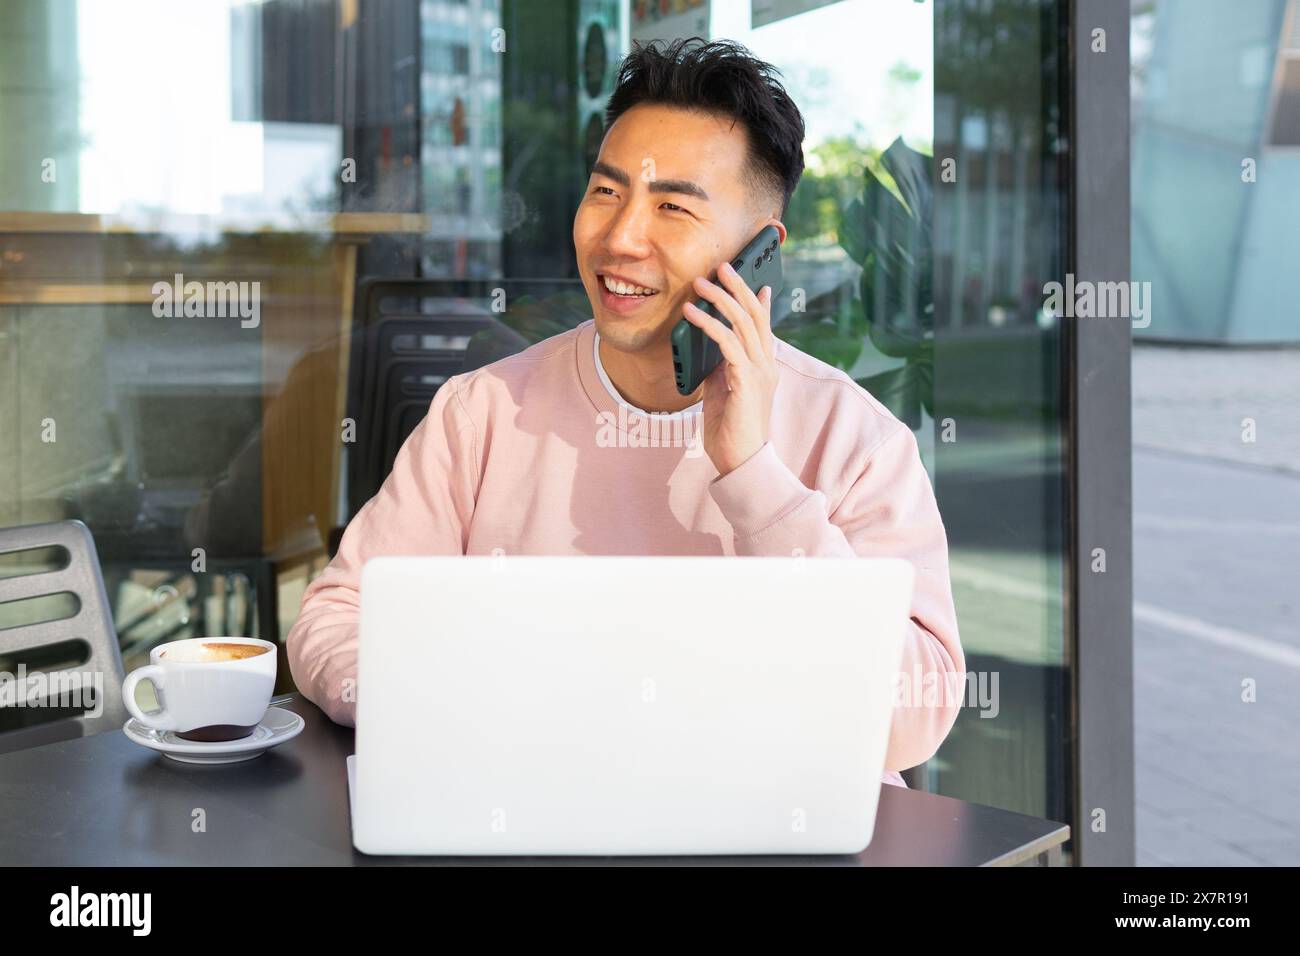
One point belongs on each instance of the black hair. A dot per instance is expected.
(720, 77)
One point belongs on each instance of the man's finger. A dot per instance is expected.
(741, 321)
(733, 350)
(765, 322)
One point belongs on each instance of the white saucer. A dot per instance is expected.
(275, 728)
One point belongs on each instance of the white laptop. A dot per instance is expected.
(624, 705)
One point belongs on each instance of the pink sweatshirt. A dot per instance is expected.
(537, 454)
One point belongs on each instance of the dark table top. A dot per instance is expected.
(105, 801)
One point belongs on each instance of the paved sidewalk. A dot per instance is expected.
(1216, 563)
(1192, 401)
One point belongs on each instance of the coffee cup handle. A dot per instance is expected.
(158, 720)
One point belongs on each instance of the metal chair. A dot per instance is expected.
(91, 626)
(409, 335)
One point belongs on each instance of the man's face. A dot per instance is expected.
(667, 201)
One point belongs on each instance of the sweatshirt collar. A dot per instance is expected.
(600, 389)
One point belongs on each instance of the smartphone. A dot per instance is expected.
(695, 355)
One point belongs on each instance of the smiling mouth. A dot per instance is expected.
(625, 289)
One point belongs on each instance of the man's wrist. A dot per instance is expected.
(758, 492)
(731, 463)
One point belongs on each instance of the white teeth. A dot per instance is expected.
(620, 287)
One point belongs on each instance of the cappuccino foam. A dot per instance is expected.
(209, 652)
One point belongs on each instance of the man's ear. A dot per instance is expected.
(780, 227)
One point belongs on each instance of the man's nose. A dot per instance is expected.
(628, 233)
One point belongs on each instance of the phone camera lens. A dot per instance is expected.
(758, 263)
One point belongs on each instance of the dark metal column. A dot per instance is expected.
(1100, 448)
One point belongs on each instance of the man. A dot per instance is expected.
(703, 149)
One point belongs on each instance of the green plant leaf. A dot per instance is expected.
(890, 236)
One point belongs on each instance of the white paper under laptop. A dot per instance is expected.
(624, 705)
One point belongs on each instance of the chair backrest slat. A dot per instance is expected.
(92, 624)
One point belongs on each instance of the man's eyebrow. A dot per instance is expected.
(611, 172)
(683, 186)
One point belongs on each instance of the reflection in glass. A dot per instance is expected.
(1000, 223)
(316, 148)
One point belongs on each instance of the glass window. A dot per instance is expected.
(1000, 225)
(308, 150)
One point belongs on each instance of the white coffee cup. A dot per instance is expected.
(208, 688)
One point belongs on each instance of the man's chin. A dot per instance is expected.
(628, 335)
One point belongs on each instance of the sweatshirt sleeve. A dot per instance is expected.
(423, 508)
(889, 510)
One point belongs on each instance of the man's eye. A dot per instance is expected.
(607, 190)
(672, 207)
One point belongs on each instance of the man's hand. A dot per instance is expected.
(738, 393)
